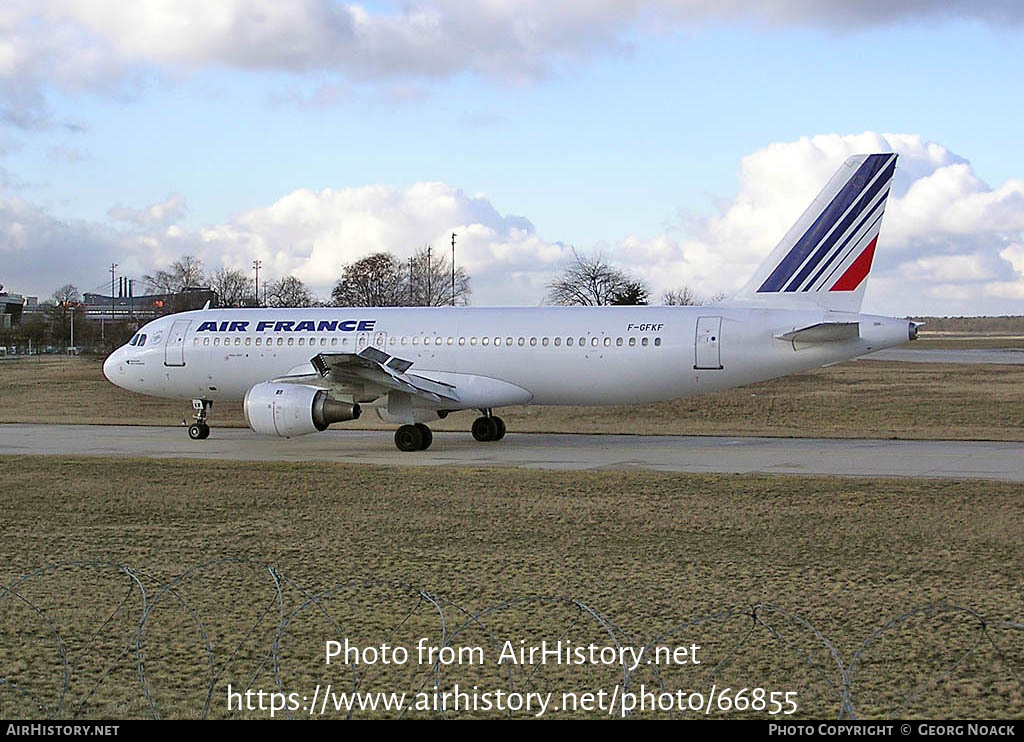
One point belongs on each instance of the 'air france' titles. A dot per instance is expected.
(323, 325)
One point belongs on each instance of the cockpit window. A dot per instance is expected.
(135, 339)
(142, 341)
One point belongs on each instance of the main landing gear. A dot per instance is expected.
(418, 437)
(199, 430)
(488, 427)
(413, 437)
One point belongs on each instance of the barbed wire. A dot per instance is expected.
(125, 637)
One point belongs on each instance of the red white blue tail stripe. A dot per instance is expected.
(835, 252)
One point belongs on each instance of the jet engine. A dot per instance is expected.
(288, 410)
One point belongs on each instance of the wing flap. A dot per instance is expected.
(374, 366)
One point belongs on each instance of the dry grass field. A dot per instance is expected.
(388, 552)
(854, 399)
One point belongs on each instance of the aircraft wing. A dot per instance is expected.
(823, 332)
(372, 368)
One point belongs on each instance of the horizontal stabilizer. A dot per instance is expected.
(823, 332)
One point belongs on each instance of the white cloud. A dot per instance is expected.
(102, 43)
(162, 213)
(945, 244)
(950, 243)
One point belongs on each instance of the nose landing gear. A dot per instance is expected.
(199, 430)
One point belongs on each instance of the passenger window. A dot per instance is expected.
(462, 341)
(522, 342)
(508, 341)
(280, 341)
(334, 341)
(450, 340)
(644, 342)
(618, 342)
(238, 341)
(485, 340)
(632, 342)
(657, 342)
(558, 341)
(248, 341)
(259, 341)
(216, 341)
(195, 342)
(533, 341)
(472, 340)
(206, 341)
(607, 342)
(583, 341)
(594, 342)
(569, 341)
(544, 342)
(291, 341)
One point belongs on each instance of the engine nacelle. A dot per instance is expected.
(288, 410)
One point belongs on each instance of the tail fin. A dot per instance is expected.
(824, 259)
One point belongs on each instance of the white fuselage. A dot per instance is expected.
(496, 356)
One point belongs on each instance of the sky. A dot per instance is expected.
(677, 138)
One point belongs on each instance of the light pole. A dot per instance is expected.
(256, 265)
(113, 266)
(453, 269)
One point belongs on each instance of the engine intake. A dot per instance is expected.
(288, 410)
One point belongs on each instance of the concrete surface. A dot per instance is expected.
(956, 459)
(1013, 356)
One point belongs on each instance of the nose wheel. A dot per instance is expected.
(200, 430)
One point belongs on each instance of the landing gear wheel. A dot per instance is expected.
(428, 437)
(488, 429)
(409, 438)
(198, 431)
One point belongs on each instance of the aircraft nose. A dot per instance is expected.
(108, 367)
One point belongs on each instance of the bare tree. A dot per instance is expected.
(66, 294)
(289, 292)
(233, 288)
(430, 280)
(183, 273)
(377, 280)
(589, 280)
(687, 297)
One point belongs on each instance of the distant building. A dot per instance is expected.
(11, 308)
(126, 307)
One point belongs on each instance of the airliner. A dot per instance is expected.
(298, 371)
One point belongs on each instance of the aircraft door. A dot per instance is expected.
(707, 353)
(174, 348)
